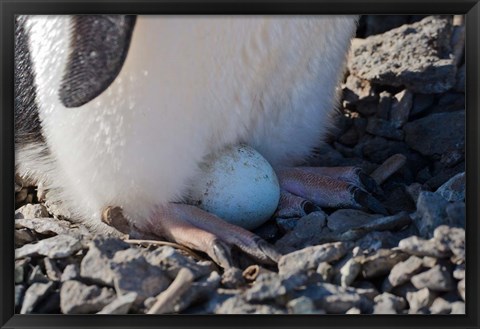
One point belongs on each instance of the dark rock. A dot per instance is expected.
(383, 128)
(37, 276)
(429, 135)
(36, 293)
(419, 247)
(59, 246)
(344, 219)
(442, 175)
(356, 89)
(399, 200)
(437, 278)
(430, 213)
(267, 231)
(460, 80)
(401, 107)
(79, 298)
(51, 304)
(21, 269)
(120, 305)
(416, 56)
(19, 294)
(421, 102)
(286, 224)
(451, 158)
(384, 105)
(376, 240)
(379, 149)
(381, 262)
(306, 233)
(449, 102)
(420, 299)
(309, 258)
(350, 137)
(23, 236)
(454, 188)
(403, 271)
(388, 304)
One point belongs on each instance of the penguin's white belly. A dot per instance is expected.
(189, 86)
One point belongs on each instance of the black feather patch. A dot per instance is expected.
(99, 46)
(27, 121)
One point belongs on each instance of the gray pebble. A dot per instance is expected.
(438, 278)
(309, 258)
(440, 306)
(403, 271)
(388, 304)
(302, 305)
(421, 299)
(237, 305)
(30, 211)
(79, 298)
(381, 262)
(459, 272)
(53, 273)
(419, 247)
(59, 246)
(120, 305)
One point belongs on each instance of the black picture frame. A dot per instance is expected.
(9, 8)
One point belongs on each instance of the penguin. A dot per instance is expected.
(120, 110)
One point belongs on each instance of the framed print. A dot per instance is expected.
(270, 164)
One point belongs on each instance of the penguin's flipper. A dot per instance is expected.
(197, 229)
(98, 48)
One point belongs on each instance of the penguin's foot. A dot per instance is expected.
(197, 229)
(304, 188)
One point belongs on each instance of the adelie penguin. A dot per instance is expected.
(120, 111)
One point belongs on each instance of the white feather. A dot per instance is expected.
(189, 86)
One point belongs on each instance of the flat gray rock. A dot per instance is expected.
(79, 298)
(388, 304)
(381, 262)
(59, 246)
(120, 305)
(416, 56)
(420, 299)
(309, 258)
(403, 271)
(429, 136)
(414, 245)
(438, 278)
(31, 211)
(344, 219)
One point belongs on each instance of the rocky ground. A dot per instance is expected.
(403, 107)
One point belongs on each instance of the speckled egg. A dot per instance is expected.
(238, 185)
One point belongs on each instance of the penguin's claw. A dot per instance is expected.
(203, 231)
(330, 187)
